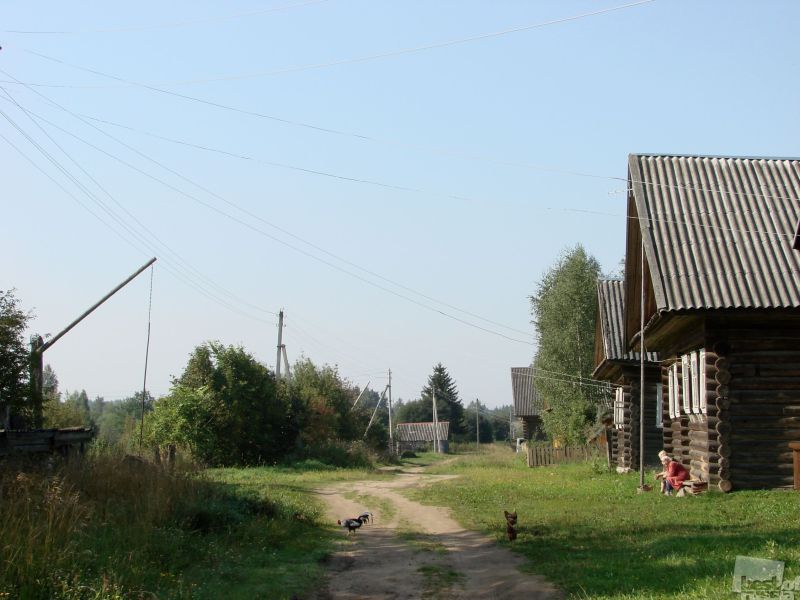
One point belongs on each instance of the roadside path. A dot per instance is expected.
(415, 551)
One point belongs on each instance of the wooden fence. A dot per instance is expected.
(542, 456)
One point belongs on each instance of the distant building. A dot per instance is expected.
(527, 404)
(420, 436)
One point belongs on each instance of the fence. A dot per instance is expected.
(541, 456)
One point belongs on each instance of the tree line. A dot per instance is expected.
(226, 408)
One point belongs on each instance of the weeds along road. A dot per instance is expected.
(417, 551)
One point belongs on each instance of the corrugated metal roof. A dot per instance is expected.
(421, 432)
(611, 308)
(718, 230)
(526, 400)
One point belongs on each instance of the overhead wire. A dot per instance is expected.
(137, 236)
(283, 230)
(409, 50)
(161, 246)
(369, 138)
(274, 238)
(167, 25)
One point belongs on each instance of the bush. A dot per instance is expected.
(336, 454)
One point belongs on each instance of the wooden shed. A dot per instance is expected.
(62, 441)
(620, 367)
(722, 293)
(420, 436)
(528, 406)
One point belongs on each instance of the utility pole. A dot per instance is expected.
(280, 345)
(435, 423)
(477, 424)
(391, 432)
(641, 377)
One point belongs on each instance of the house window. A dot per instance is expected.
(701, 359)
(659, 405)
(694, 372)
(686, 384)
(673, 392)
(619, 408)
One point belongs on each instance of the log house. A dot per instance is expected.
(621, 368)
(722, 309)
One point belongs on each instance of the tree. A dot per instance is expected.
(564, 308)
(50, 391)
(225, 407)
(13, 356)
(485, 424)
(448, 405)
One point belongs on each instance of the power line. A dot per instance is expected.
(171, 269)
(373, 139)
(268, 235)
(184, 264)
(173, 24)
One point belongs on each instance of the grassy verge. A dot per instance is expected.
(588, 530)
(117, 528)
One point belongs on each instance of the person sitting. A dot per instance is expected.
(673, 475)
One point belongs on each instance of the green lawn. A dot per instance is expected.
(589, 531)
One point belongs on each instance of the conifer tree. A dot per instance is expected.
(448, 405)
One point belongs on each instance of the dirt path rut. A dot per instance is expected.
(417, 551)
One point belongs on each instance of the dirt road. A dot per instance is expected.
(417, 551)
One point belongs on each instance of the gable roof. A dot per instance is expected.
(421, 432)
(610, 314)
(718, 231)
(526, 400)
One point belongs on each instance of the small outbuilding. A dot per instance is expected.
(412, 437)
(621, 367)
(528, 406)
(721, 308)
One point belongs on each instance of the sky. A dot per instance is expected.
(396, 176)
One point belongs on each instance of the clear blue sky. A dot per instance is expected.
(463, 128)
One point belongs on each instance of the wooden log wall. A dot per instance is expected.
(694, 440)
(628, 436)
(761, 414)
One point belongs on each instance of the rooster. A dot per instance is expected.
(351, 524)
(366, 517)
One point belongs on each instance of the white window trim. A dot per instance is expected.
(659, 405)
(619, 412)
(686, 386)
(672, 390)
(702, 379)
(695, 372)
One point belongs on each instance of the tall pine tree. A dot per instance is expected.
(448, 405)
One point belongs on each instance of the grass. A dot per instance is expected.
(109, 528)
(588, 531)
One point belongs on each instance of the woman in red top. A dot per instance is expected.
(673, 475)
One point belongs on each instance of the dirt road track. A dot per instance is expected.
(416, 551)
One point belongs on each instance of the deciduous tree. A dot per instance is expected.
(564, 308)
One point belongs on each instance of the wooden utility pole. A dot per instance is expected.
(38, 347)
(435, 423)
(641, 377)
(477, 424)
(391, 430)
(280, 345)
